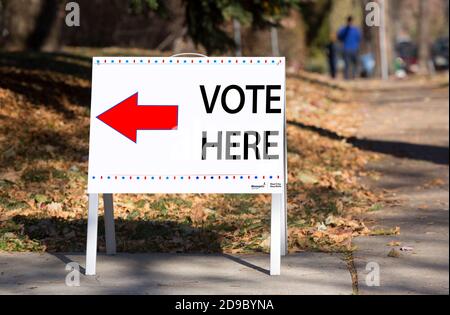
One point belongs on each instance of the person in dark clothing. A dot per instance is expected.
(332, 56)
(350, 37)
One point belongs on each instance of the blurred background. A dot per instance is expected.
(416, 32)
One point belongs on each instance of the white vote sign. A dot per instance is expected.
(187, 125)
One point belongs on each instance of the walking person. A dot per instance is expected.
(350, 37)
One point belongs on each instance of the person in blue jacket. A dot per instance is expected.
(350, 37)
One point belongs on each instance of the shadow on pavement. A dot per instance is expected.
(247, 264)
(429, 153)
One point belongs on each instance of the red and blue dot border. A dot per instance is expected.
(276, 61)
(182, 177)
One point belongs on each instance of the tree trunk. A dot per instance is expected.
(32, 24)
(392, 18)
(446, 8)
(424, 36)
(47, 30)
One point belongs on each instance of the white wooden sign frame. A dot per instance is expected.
(278, 230)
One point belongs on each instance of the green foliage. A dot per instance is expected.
(140, 6)
(206, 19)
(316, 15)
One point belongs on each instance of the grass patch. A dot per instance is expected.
(13, 239)
(385, 232)
(376, 207)
(10, 204)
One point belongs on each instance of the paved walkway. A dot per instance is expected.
(307, 273)
(411, 125)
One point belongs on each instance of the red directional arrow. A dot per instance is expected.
(128, 117)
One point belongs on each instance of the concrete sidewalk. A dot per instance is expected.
(305, 273)
(411, 125)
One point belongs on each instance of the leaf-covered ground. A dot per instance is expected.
(44, 124)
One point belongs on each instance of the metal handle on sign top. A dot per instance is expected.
(189, 54)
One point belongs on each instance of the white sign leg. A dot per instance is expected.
(275, 234)
(91, 248)
(110, 232)
(284, 228)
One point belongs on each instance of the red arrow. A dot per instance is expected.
(128, 117)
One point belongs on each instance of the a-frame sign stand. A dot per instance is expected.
(278, 231)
